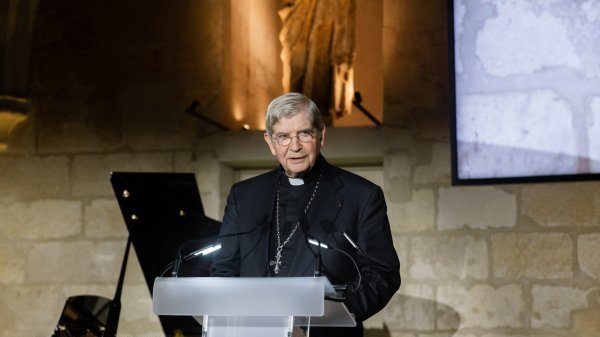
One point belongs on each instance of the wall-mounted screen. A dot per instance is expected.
(526, 82)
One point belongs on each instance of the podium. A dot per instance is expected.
(250, 306)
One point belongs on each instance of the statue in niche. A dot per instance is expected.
(317, 38)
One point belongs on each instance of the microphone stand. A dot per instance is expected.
(312, 240)
(308, 238)
(318, 267)
(112, 321)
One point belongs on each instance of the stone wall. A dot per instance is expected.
(109, 84)
(512, 260)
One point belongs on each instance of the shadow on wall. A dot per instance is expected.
(413, 314)
(383, 332)
(585, 321)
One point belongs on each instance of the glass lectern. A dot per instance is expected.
(250, 307)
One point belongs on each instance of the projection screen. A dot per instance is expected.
(525, 79)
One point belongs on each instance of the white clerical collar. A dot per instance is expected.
(296, 181)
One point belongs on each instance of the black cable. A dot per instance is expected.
(166, 269)
(178, 259)
(332, 247)
(355, 266)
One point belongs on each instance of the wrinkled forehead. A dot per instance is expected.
(291, 124)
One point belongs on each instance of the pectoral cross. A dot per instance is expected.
(276, 263)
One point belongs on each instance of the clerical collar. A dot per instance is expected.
(296, 181)
(309, 177)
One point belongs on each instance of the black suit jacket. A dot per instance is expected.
(344, 202)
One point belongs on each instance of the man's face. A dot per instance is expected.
(298, 157)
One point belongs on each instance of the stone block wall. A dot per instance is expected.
(508, 260)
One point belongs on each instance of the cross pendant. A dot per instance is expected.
(276, 263)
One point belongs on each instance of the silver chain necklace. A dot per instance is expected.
(277, 262)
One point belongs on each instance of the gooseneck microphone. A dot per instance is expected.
(205, 250)
(318, 263)
(177, 262)
(314, 241)
(352, 242)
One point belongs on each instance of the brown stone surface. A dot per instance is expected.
(553, 305)
(484, 306)
(448, 258)
(410, 310)
(536, 256)
(12, 260)
(91, 173)
(416, 68)
(109, 74)
(21, 177)
(42, 219)
(415, 215)
(103, 219)
(564, 205)
(75, 262)
(475, 207)
(588, 254)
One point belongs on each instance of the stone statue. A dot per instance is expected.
(317, 38)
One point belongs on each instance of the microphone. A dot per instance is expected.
(314, 241)
(358, 250)
(318, 243)
(318, 264)
(352, 242)
(176, 264)
(205, 250)
(339, 288)
(302, 223)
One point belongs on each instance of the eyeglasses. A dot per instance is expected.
(304, 136)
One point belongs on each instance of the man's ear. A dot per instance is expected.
(270, 143)
(323, 137)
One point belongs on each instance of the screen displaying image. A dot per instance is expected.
(527, 90)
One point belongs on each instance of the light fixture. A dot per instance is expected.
(12, 112)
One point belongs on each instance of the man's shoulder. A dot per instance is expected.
(351, 179)
(253, 182)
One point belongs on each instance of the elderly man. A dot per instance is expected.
(268, 218)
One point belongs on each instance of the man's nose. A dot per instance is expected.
(296, 144)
